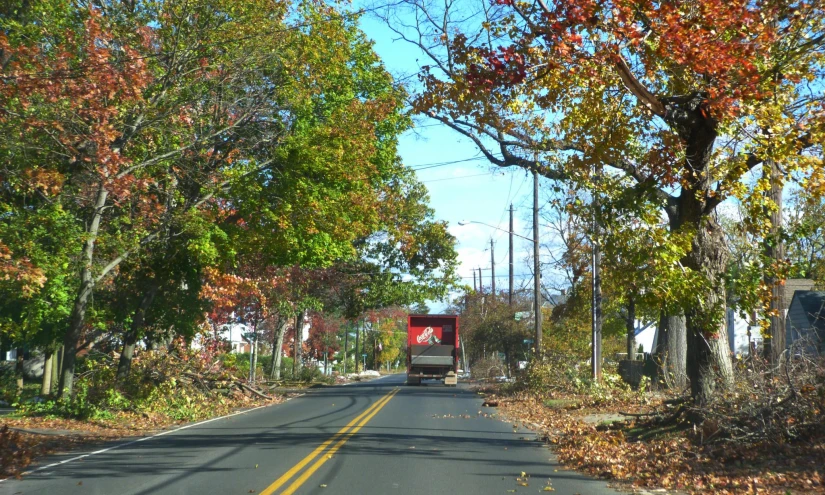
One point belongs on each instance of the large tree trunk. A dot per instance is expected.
(81, 303)
(18, 371)
(130, 339)
(708, 352)
(671, 351)
(57, 363)
(630, 326)
(708, 355)
(48, 363)
(277, 345)
(774, 344)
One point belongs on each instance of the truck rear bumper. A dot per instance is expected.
(432, 360)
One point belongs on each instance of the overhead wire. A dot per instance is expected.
(426, 166)
(457, 177)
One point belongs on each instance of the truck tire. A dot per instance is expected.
(413, 381)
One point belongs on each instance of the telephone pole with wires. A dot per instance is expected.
(492, 268)
(537, 317)
(510, 293)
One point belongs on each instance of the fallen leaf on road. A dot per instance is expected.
(324, 486)
(548, 488)
(256, 466)
(522, 483)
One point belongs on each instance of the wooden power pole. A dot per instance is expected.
(492, 268)
(510, 293)
(596, 302)
(537, 316)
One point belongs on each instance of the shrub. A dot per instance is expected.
(308, 373)
(8, 386)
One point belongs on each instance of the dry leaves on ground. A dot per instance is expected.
(672, 460)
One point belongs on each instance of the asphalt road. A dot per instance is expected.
(379, 437)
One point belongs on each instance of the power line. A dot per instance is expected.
(459, 177)
(425, 166)
(523, 275)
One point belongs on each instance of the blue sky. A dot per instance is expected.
(471, 189)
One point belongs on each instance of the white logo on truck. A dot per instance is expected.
(428, 337)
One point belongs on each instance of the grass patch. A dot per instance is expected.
(558, 404)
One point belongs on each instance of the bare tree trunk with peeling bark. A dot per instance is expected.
(630, 326)
(671, 351)
(46, 384)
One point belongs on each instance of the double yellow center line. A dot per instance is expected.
(339, 439)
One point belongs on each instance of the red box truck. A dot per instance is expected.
(432, 348)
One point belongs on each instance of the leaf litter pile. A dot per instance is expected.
(639, 453)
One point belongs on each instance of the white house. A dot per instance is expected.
(234, 334)
(742, 336)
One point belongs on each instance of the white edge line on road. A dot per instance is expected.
(132, 442)
(126, 444)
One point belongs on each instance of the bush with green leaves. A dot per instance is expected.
(8, 387)
(161, 383)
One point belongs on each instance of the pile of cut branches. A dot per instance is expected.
(765, 435)
(777, 404)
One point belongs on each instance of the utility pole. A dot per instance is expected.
(480, 283)
(493, 268)
(537, 316)
(775, 344)
(510, 296)
(474, 281)
(346, 343)
(357, 337)
(596, 351)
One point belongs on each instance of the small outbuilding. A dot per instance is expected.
(805, 322)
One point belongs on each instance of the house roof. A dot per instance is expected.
(553, 300)
(792, 285)
(813, 307)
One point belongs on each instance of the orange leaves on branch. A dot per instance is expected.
(20, 270)
(501, 67)
(86, 84)
(250, 298)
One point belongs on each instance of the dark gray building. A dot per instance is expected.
(805, 322)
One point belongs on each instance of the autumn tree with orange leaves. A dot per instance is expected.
(682, 99)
